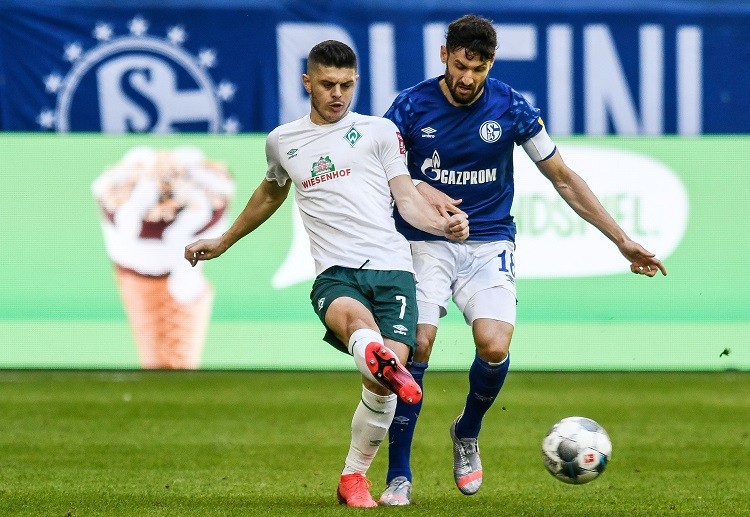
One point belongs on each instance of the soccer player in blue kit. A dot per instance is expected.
(460, 130)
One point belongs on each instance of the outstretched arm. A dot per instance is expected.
(576, 193)
(266, 199)
(419, 213)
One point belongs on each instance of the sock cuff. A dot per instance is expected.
(492, 366)
(501, 363)
(379, 403)
(366, 335)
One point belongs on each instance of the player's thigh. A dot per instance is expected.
(435, 267)
(492, 265)
(348, 313)
(341, 305)
(492, 315)
(401, 349)
(494, 303)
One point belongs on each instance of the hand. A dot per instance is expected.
(642, 261)
(457, 227)
(204, 249)
(442, 202)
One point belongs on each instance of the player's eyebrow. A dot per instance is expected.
(461, 64)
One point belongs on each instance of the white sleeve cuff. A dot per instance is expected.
(539, 147)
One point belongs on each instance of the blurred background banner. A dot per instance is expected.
(648, 100)
(580, 308)
(228, 66)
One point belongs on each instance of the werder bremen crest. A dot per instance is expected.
(352, 136)
(322, 165)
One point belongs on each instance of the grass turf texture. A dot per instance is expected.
(266, 443)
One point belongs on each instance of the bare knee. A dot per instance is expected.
(492, 339)
(493, 353)
(425, 339)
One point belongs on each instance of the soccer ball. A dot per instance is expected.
(576, 450)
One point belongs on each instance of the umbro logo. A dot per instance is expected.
(428, 132)
(400, 329)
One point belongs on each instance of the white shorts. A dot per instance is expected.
(479, 276)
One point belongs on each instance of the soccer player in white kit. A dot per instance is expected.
(347, 169)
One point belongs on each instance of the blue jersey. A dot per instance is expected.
(466, 152)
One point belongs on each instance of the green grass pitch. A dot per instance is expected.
(264, 443)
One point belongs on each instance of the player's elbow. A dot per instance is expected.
(562, 186)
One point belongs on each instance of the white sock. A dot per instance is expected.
(370, 424)
(358, 341)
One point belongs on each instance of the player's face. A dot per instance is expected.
(331, 90)
(465, 74)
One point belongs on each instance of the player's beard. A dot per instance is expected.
(458, 96)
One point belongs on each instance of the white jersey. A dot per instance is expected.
(340, 172)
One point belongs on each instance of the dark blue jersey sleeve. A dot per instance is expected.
(525, 116)
(400, 114)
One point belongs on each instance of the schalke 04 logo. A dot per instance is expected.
(138, 84)
(490, 131)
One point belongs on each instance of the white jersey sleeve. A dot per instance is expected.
(391, 151)
(275, 171)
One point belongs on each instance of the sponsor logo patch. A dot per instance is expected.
(401, 146)
(431, 169)
(324, 170)
(324, 164)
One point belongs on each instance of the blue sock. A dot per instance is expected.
(401, 432)
(485, 381)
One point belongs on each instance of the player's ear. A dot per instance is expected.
(307, 83)
(443, 54)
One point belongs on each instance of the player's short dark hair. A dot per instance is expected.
(472, 33)
(332, 53)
